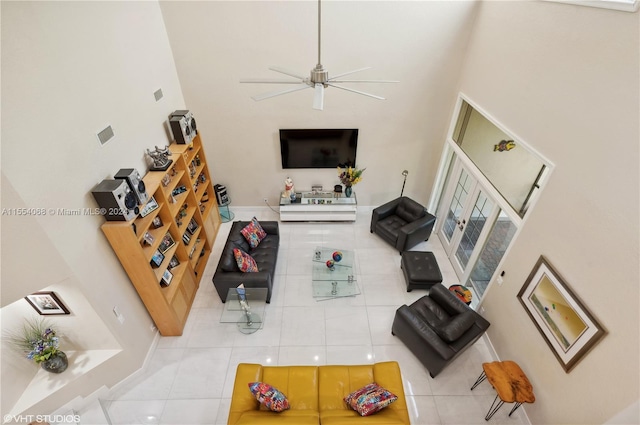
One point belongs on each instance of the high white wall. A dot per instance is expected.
(421, 44)
(564, 78)
(68, 70)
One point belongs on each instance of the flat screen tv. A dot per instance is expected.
(318, 148)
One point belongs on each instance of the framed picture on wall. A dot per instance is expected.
(46, 303)
(562, 319)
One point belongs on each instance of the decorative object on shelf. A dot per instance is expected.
(337, 256)
(151, 205)
(348, 177)
(159, 159)
(166, 279)
(566, 325)
(47, 303)
(157, 222)
(167, 243)
(331, 265)
(157, 259)
(38, 342)
(405, 173)
(192, 226)
(178, 190)
(148, 238)
(289, 190)
(174, 262)
(337, 190)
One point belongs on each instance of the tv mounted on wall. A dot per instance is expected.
(318, 148)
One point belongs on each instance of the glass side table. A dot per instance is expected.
(225, 215)
(245, 307)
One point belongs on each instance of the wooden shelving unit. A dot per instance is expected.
(192, 220)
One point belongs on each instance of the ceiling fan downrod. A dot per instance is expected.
(319, 74)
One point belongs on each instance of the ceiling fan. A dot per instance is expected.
(319, 79)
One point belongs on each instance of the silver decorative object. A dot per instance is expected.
(160, 160)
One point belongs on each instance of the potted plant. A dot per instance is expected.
(348, 177)
(37, 340)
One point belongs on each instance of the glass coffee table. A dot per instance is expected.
(245, 306)
(336, 281)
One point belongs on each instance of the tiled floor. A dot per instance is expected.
(190, 378)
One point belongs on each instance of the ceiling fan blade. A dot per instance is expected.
(268, 81)
(364, 81)
(287, 72)
(280, 92)
(318, 97)
(348, 73)
(356, 91)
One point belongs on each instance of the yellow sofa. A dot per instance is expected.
(316, 394)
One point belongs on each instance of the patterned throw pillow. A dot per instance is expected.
(370, 399)
(253, 233)
(269, 396)
(246, 263)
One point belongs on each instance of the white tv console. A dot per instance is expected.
(318, 206)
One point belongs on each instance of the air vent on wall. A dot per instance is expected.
(105, 135)
(158, 94)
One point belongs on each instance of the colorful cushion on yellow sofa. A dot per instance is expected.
(246, 263)
(370, 399)
(253, 233)
(269, 396)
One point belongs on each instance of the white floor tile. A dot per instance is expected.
(190, 412)
(201, 374)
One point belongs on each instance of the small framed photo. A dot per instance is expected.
(157, 222)
(174, 262)
(157, 259)
(186, 238)
(151, 205)
(47, 303)
(148, 238)
(192, 226)
(166, 278)
(167, 242)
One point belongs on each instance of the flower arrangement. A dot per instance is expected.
(350, 176)
(37, 340)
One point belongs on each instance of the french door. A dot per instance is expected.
(468, 217)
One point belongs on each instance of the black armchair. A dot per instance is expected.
(437, 328)
(403, 223)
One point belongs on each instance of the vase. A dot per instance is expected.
(348, 191)
(56, 364)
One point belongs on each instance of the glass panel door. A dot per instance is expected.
(492, 252)
(471, 231)
(473, 228)
(465, 183)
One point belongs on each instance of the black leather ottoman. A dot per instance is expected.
(420, 270)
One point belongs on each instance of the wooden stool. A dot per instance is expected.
(510, 383)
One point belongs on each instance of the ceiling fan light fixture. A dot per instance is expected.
(318, 79)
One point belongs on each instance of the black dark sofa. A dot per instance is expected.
(437, 328)
(403, 223)
(228, 275)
